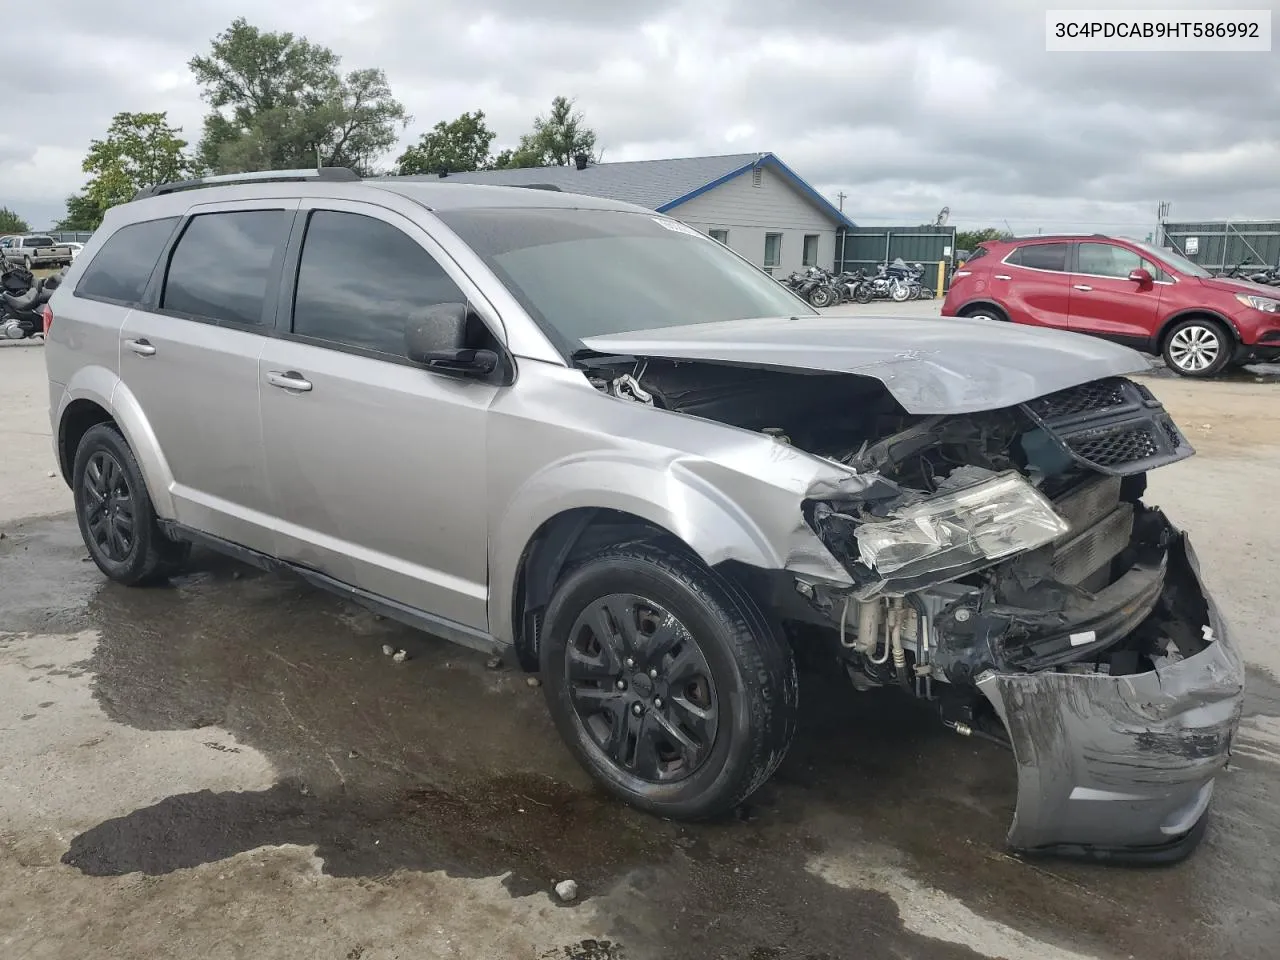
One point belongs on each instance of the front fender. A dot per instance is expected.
(103, 387)
(720, 514)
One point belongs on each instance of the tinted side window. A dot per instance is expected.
(220, 268)
(1108, 260)
(1041, 256)
(360, 279)
(122, 266)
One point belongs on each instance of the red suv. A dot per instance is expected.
(1131, 292)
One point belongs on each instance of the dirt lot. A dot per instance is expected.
(229, 766)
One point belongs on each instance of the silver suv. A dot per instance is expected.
(585, 435)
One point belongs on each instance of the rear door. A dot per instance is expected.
(190, 357)
(1105, 302)
(1033, 285)
(377, 466)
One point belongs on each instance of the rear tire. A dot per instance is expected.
(666, 681)
(985, 313)
(115, 514)
(1198, 348)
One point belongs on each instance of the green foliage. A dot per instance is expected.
(139, 150)
(10, 222)
(279, 99)
(457, 146)
(556, 139)
(969, 239)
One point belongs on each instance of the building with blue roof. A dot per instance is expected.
(753, 202)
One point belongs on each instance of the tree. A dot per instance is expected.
(139, 150)
(279, 100)
(556, 139)
(458, 146)
(82, 214)
(10, 222)
(969, 239)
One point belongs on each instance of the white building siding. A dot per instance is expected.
(749, 210)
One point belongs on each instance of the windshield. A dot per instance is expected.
(584, 273)
(1178, 262)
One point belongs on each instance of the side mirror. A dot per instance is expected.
(436, 338)
(1141, 276)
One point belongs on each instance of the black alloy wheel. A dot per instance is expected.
(113, 508)
(110, 510)
(641, 687)
(666, 681)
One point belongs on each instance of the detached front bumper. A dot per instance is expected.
(1122, 767)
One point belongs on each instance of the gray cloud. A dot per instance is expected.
(904, 107)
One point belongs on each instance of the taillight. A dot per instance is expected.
(46, 314)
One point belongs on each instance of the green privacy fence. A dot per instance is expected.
(865, 247)
(1222, 244)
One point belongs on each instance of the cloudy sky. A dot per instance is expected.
(904, 106)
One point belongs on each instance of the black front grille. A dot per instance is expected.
(1114, 426)
(1114, 447)
(1088, 397)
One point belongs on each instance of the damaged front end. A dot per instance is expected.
(1019, 580)
(1004, 567)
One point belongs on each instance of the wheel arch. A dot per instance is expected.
(554, 549)
(1192, 313)
(980, 303)
(96, 395)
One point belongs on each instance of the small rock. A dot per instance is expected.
(567, 890)
(493, 663)
(388, 649)
(378, 616)
(3, 535)
(533, 681)
(353, 755)
(400, 656)
(51, 474)
(1207, 426)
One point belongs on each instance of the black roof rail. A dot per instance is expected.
(318, 175)
(538, 186)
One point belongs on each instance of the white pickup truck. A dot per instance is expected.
(35, 252)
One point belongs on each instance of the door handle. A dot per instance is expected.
(141, 347)
(292, 380)
(1003, 276)
(1082, 286)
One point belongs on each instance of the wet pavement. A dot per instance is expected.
(880, 836)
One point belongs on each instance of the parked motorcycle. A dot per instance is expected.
(22, 311)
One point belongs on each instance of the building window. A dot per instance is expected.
(721, 235)
(772, 250)
(810, 253)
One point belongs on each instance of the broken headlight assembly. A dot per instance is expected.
(946, 536)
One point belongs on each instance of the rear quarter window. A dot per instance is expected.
(122, 266)
(1040, 256)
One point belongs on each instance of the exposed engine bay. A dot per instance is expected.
(986, 547)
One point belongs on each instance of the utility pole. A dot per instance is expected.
(841, 197)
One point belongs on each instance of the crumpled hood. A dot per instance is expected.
(931, 366)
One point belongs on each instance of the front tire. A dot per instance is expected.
(666, 681)
(820, 297)
(115, 514)
(1197, 348)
